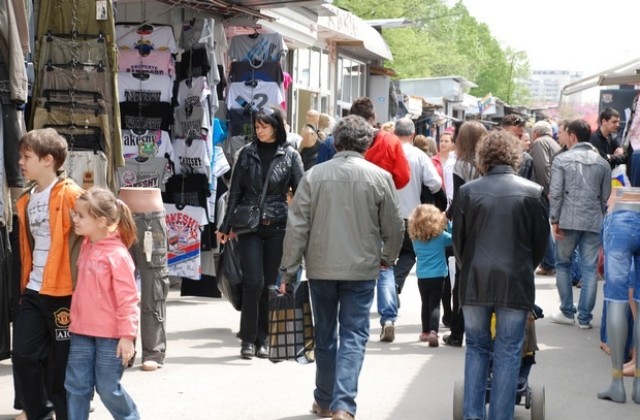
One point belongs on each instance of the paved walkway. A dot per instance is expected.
(205, 379)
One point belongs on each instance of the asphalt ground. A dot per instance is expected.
(204, 377)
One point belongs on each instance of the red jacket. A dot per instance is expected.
(386, 152)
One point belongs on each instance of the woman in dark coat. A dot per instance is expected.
(268, 158)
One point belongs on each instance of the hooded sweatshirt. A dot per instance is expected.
(105, 301)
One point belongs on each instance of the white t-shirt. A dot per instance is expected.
(38, 214)
(146, 144)
(87, 168)
(184, 237)
(156, 38)
(194, 157)
(423, 172)
(262, 94)
(150, 88)
(156, 62)
(195, 94)
(264, 47)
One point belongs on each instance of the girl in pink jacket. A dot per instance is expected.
(104, 308)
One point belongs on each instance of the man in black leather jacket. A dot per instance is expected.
(500, 231)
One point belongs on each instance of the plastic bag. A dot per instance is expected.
(230, 277)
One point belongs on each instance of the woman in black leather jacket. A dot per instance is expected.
(261, 250)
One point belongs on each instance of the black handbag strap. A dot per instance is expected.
(266, 185)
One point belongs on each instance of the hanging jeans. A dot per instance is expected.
(154, 284)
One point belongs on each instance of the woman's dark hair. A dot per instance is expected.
(273, 117)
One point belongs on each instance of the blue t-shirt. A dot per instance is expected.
(431, 257)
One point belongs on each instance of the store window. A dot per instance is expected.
(351, 82)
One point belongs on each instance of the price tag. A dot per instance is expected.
(101, 9)
(148, 245)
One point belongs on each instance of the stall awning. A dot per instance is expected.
(624, 74)
(248, 7)
(296, 24)
(352, 34)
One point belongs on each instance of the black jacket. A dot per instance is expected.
(246, 183)
(500, 232)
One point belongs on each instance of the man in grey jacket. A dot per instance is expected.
(345, 219)
(579, 189)
(543, 150)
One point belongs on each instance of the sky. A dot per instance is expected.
(574, 35)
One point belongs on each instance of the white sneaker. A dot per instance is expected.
(388, 333)
(586, 326)
(560, 318)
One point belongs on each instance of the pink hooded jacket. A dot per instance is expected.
(105, 300)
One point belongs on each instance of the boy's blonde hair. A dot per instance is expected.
(43, 142)
(426, 222)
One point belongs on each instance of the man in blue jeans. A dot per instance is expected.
(578, 194)
(500, 231)
(344, 252)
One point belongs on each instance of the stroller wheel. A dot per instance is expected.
(537, 402)
(458, 398)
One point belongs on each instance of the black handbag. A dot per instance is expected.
(291, 333)
(246, 217)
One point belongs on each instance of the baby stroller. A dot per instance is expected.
(531, 396)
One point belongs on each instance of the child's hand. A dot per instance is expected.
(126, 350)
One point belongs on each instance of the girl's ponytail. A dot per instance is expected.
(126, 225)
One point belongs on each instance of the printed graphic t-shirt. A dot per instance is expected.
(184, 234)
(38, 214)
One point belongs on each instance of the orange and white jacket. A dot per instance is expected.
(60, 270)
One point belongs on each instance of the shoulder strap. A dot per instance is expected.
(266, 183)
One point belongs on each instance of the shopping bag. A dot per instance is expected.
(291, 325)
(230, 273)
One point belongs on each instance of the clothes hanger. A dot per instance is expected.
(255, 33)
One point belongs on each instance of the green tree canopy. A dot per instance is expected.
(447, 41)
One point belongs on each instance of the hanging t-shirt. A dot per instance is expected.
(184, 237)
(144, 87)
(146, 116)
(87, 169)
(191, 122)
(257, 49)
(194, 94)
(194, 156)
(38, 215)
(147, 144)
(194, 63)
(151, 173)
(196, 34)
(240, 122)
(146, 38)
(260, 93)
(156, 62)
(269, 71)
(220, 45)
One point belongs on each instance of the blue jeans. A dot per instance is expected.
(587, 244)
(621, 242)
(549, 259)
(387, 296)
(93, 363)
(505, 349)
(576, 274)
(340, 354)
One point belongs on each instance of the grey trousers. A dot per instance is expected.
(154, 285)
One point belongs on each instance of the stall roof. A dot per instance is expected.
(249, 7)
(624, 74)
(352, 34)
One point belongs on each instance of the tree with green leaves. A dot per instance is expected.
(447, 41)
